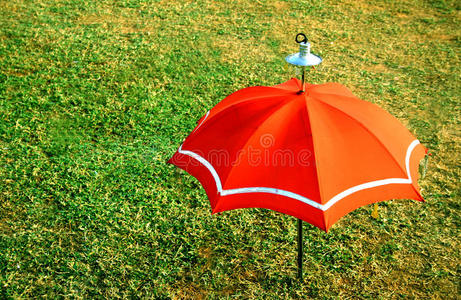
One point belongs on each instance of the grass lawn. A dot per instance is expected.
(95, 96)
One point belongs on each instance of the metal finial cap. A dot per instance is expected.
(304, 57)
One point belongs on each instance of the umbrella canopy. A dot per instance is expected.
(316, 155)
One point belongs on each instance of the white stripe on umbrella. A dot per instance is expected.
(376, 183)
(206, 116)
(292, 195)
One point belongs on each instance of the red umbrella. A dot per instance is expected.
(315, 152)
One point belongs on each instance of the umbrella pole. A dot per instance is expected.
(300, 249)
(303, 79)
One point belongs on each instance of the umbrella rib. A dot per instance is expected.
(364, 127)
(212, 113)
(303, 199)
(313, 151)
(204, 119)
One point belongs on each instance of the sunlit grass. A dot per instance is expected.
(96, 96)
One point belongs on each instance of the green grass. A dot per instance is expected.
(95, 96)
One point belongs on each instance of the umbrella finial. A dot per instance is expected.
(304, 45)
(304, 57)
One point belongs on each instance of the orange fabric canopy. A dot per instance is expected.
(316, 155)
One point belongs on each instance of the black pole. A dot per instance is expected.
(300, 249)
(303, 79)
